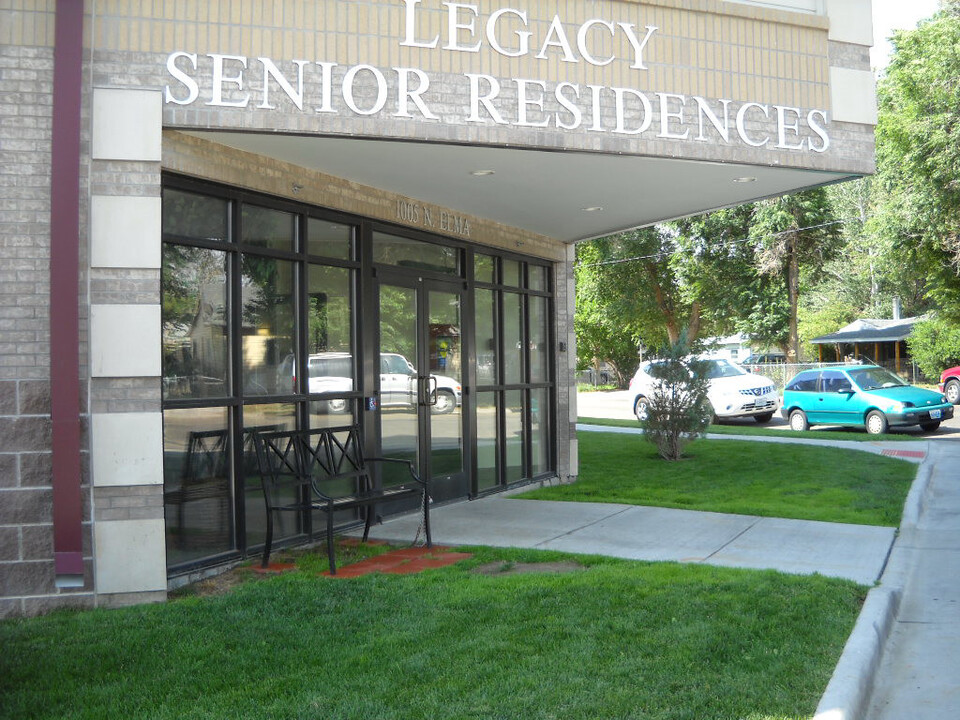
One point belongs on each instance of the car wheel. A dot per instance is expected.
(876, 422)
(337, 407)
(641, 408)
(798, 421)
(930, 426)
(446, 403)
(764, 418)
(952, 391)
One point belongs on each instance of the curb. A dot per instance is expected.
(848, 693)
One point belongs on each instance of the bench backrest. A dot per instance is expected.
(330, 460)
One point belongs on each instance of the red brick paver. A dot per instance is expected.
(904, 453)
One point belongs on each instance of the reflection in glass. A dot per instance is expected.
(446, 360)
(197, 496)
(268, 325)
(331, 413)
(513, 434)
(398, 383)
(267, 228)
(197, 217)
(512, 339)
(404, 252)
(539, 431)
(196, 322)
(485, 340)
(266, 418)
(487, 455)
(329, 334)
(484, 268)
(536, 277)
(329, 239)
(539, 357)
(511, 273)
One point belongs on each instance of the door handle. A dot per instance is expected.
(431, 399)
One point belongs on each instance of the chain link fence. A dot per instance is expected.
(782, 373)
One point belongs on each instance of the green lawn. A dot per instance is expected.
(740, 476)
(749, 427)
(617, 639)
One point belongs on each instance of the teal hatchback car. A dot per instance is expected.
(864, 395)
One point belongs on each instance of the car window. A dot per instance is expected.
(723, 368)
(804, 382)
(874, 377)
(832, 380)
(331, 367)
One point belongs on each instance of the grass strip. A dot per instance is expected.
(618, 639)
(851, 434)
(802, 482)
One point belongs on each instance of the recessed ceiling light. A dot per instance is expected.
(481, 173)
(745, 179)
(594, 208)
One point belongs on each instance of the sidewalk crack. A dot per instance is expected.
(732, 540)
(582, 527)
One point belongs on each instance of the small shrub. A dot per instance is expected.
(679, 410)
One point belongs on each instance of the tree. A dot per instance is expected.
(793, 232)
(678, 410)
(935, 345)
(628, 294)
(918, 143)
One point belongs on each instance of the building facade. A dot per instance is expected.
(223, 216)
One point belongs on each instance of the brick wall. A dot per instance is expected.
(27, 578)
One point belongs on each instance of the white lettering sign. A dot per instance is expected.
(319, 86)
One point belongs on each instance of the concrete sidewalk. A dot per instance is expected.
(919, 673)
(855, 552)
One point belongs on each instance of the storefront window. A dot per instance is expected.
(330, 361)
(268, 319)
(484, 268)
(537, 277)
(512, 339)
(266, 228)
(262, 314)
(514, 435)
(266, 418)
(333, 240)
(537, 342)
(197, 486)
(195, 319)
(414, 254)
(485, 337)
(487, 455)
(190, 216)
(539, 431)
(511, 273)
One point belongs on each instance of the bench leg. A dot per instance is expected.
(269, 541)
(426, 518)
(371, 512)
(330, 552)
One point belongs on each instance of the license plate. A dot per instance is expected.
(935, 414)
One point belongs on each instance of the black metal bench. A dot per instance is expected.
(327, 471)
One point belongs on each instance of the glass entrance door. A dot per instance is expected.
(420, 380)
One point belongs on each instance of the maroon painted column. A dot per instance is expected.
(65, 291)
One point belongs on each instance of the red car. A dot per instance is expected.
(950, 384)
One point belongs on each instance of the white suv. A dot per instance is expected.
(330, 372)
(733, 392)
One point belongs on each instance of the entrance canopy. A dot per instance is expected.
(565, 195)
